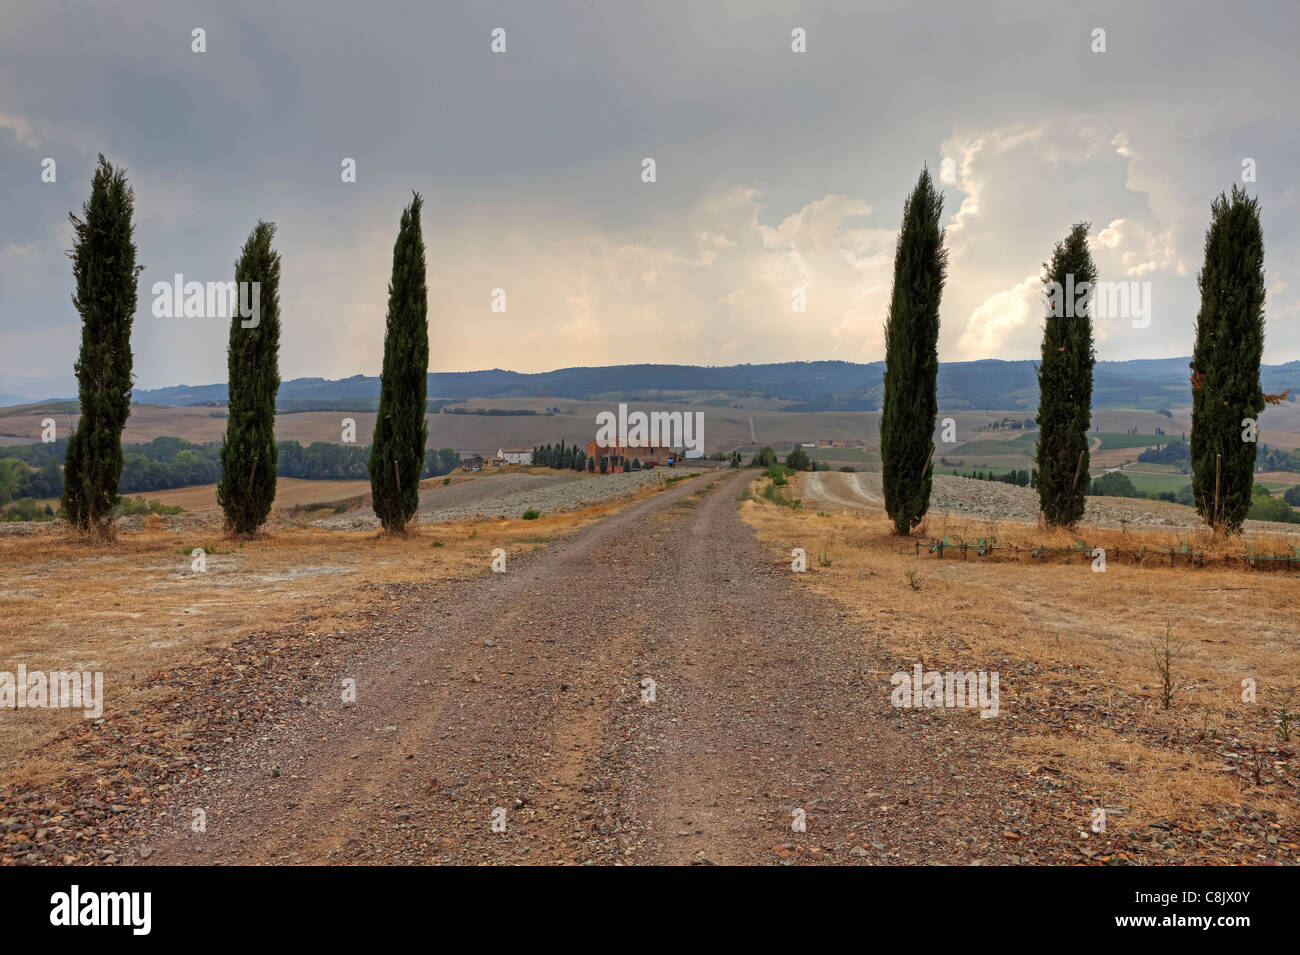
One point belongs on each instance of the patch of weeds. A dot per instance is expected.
(778, 473)
(138, 507)
(532, 515)
(1163, 655)
(436, 544)
(1286, 717)
(771, 493)
(1206, 731)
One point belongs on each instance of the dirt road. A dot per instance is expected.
(523, 692)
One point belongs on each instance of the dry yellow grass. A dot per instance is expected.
(138, 606)
(289, 492)
(1086, 636)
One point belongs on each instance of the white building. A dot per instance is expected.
(515, 455)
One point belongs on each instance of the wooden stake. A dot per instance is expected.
(1077, 468)
(1218, 476)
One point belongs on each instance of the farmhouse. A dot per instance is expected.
(515, 455)
(651, 454)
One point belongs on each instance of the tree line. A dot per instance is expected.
(1225, 366)
(247, 462)
(1226, 390)
(165, 463)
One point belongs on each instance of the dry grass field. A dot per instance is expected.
(138, 606)
(289, 493)
(1074, 647)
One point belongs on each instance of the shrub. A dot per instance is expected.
(26, 509)
(1265, 507)
(771, 493)
(798, 460)
(531, 515)
(139, 507)
(1114, 484)
(777, 473)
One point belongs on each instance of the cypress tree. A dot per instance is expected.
(1065, 380)
(1225, 361)
(103, 264)
(248, 454)
(401, 430)
(911, 404)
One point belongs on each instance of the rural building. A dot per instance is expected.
(515, 455)
(652, 454)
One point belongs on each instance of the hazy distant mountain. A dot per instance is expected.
(806, 386)
(23, 390)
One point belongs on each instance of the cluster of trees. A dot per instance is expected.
(18, 480)
(1265, 507)
(798, 460)
(1175, 452)
(165, 463)
(1018, 478)
(1277, 459)
(1115, 484)
(564, 457)
(1225, 367)
(496, 412)
(247, 462)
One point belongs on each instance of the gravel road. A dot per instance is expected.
(523, 692)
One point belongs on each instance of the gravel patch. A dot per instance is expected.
(995, 501)
(507, 495)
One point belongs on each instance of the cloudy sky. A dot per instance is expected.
(775, 170)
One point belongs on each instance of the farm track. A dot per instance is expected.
(523, 691)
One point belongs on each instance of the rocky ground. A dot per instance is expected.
(995, 501)
(508, 495)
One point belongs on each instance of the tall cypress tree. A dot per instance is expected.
(1225, 360)
(103, 264)
(401, 430)
(911, 404)
(1065, 380)
(249, 455)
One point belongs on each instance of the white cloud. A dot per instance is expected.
(1002, 317)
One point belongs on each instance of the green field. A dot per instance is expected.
(1110, 439)
(1149, 482)
(1153, 481)
(992, 447)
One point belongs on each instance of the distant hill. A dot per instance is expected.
(804, 386)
